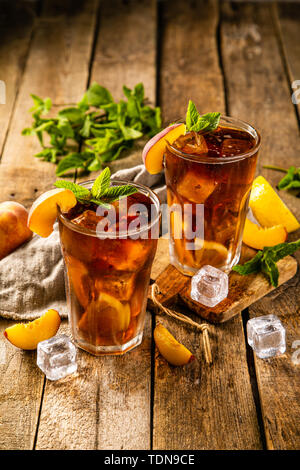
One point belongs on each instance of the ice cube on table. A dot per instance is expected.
(209, 286)
(56, 357)
(266, 336)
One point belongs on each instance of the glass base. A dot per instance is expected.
(109, 350)
(189, 271)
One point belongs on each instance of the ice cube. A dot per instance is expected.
(266, 336)
(192, 143)
(88, 219)
(209, 286)
(56, 357)
(120, 284)
(195, 187)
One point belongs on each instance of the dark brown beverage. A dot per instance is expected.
(214, 170)
(108, 270)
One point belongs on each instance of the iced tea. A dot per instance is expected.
(213, 171)
(108, 269)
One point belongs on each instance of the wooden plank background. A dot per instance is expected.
(239, 58)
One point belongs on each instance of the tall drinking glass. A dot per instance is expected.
(209, 178)
(108, 270)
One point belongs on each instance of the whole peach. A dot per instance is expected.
(13, 227)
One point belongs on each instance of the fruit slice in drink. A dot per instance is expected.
(105, 316)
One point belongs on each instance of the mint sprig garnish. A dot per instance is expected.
(265, 261)
(97, 130)
(292, 178)
(101, 192)
(197, 123)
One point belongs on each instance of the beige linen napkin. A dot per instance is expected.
(32, 277)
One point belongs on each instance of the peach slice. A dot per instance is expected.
(268, 208)
(259, 237)
(28, 335)
(153, 152)
(173, 351)
(43, 212)
(106, 315)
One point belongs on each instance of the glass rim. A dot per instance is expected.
(119, 235)
(236, 124)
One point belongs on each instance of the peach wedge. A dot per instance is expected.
(28, 335)
(267, 207)
(173, 351)
(153, 152)
(259, 237)
(43, 212)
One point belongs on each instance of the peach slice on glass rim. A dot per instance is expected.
(153, 152)
(43, 212)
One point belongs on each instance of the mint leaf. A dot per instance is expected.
(192, 116)
(265, 261)
(81, 193)
(268, 266)
(97, 95)
(118, 192)
(72, 162)
(40, 106)
(292, 178)
(205, 123)
(250, 267)
(101, 183)
(281, 250)
(97, 125)
(74, 115)
(101, 193)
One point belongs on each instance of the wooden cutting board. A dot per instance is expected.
(243, 290)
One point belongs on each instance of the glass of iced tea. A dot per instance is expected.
(108, 259)
(209, 177)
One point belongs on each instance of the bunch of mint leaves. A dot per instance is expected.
(265, 261)
(201, 124)
(291, 180)
(101, 193)
(97, 130)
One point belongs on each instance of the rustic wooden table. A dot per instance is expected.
(238, 58)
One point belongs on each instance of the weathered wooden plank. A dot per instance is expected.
(125, 54)
(14, 46)
(189, 67)
(126, 47)
(200, 407)
(287, 17)
(278, 378)
(105, 405)
(115, 391)
(21, 385)
(60, 48)
(257, 90)
(57, 66)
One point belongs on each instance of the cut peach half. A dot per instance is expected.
(153, 152)
(43, 212)
(28, 335)
(173, 351)
(267, 207)
(106, 315)
(259, 237)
